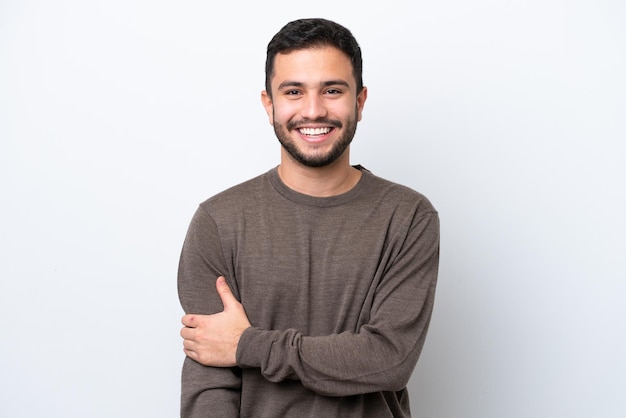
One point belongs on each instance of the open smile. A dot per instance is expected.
(316, 135)
(315, 131)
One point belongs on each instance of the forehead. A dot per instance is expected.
(313, 66)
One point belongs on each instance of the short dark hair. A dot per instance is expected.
(312, 33)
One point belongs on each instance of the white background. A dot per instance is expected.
(117, 118)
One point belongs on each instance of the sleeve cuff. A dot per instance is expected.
(251, 348)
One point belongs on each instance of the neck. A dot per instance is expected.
(331, 180)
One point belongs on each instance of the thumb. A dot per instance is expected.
(228, 299)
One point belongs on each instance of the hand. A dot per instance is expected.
(212, 340)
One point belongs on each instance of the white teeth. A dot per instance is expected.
(314, 131)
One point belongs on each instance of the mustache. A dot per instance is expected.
(291, 125)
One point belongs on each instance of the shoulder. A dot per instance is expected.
(232, 204)
(393, 194)
(239, 195)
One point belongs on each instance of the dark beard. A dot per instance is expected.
(320, 160)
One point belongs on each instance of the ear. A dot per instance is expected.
(360, 102)
(266, 100)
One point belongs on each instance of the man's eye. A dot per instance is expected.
(292, 92)
(333, 91)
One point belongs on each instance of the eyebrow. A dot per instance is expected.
(328, 83)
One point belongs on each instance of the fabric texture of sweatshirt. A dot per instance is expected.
(339, 291)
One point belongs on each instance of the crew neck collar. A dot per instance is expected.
(309, 200)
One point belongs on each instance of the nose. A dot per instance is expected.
(313, 107)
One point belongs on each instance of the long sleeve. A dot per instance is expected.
(382, 353)
(205, 391)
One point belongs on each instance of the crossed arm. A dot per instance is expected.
(331, 365)
(379, 356)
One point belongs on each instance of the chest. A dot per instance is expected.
(315, 271)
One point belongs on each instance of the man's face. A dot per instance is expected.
(314, 107)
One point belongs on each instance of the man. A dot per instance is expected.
(325, 273)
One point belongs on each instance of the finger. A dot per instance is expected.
(189, 321)
(189, 348)
(189, 353)
(228, 299)
(188, 345)
(187, 333)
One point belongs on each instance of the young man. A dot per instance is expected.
(326, 272)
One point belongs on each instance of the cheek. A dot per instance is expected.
(345, 110)
(283, 114)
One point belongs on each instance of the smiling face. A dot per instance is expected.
(314, 106)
